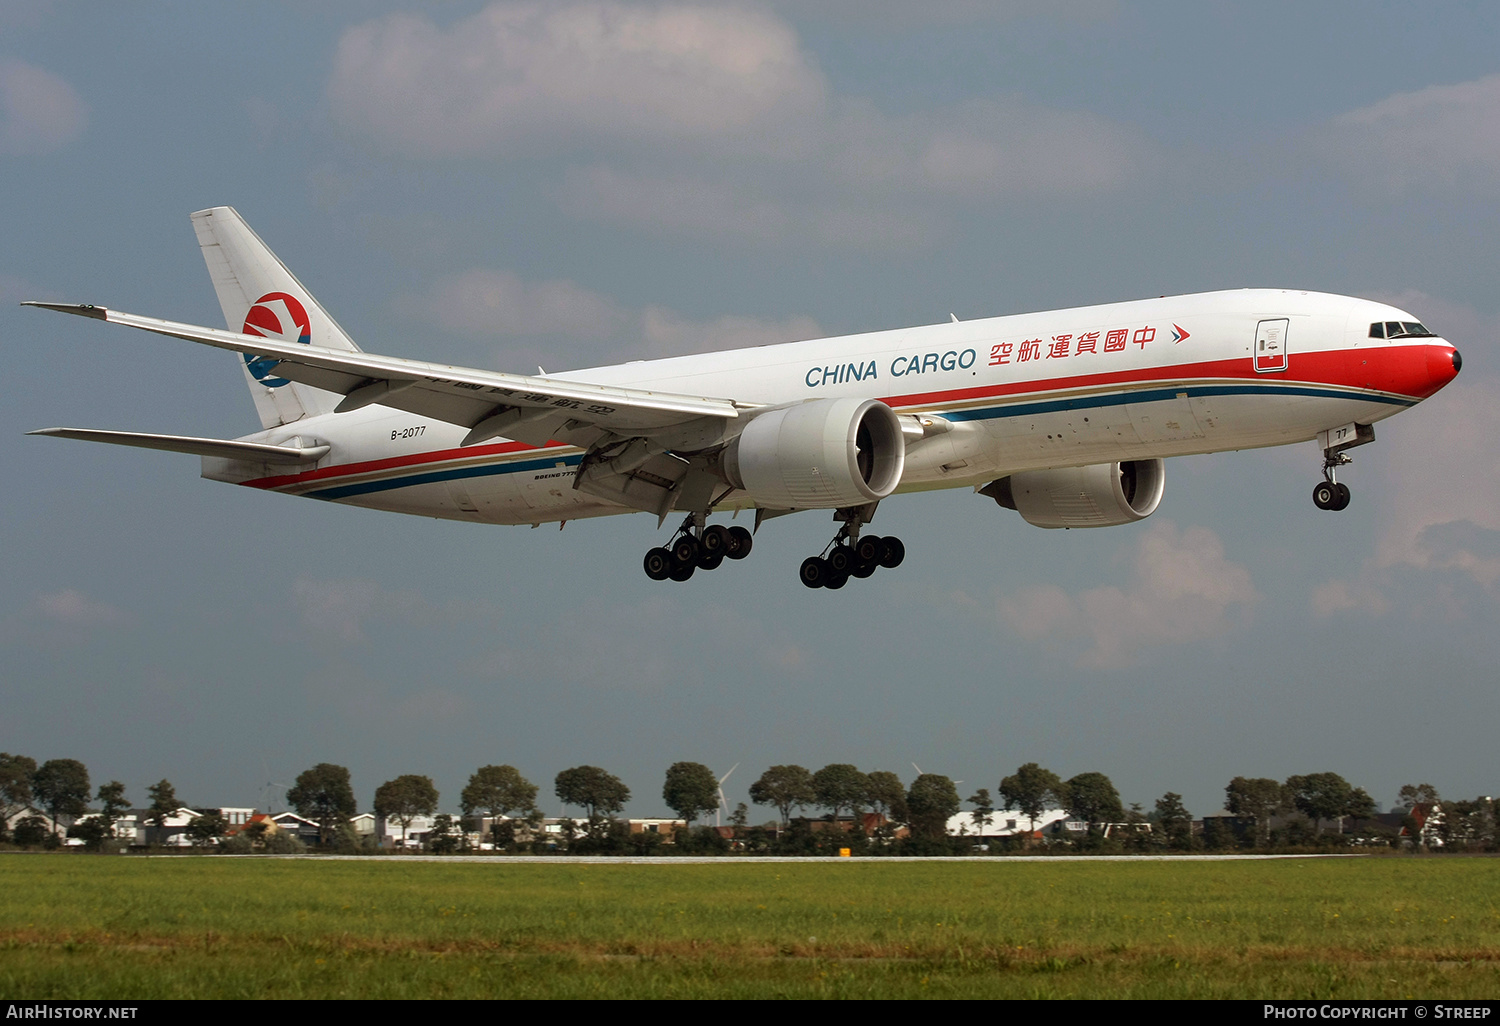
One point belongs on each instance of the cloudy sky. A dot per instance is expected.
(506, 185)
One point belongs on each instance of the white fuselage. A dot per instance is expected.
(1124, 381)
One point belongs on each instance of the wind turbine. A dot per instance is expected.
(723, 803)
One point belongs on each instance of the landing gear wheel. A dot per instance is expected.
(814, 572)
(840, 560)
(867, 549)
(682, 571)
(710, 560)
(715, 541)
(1342, 501)
(685, 551)
(836, 581)
(1326, 495)
(863, 570)
(739, 542)
(892, 552)
(658, 564)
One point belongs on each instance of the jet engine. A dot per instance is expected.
(822, 454)
(1102, 495)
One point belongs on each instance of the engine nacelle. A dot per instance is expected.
(1103, 495)
(822, 454)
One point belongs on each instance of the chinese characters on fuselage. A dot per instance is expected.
(1089, 343)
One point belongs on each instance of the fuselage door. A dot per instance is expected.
(1270, 346)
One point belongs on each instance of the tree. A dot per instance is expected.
(984, 807)
(1175, 821)
(323, 794)
(499, 791)
(206, 829)
(31, 832)
(112, 801)
(1030, 790)
(1321, 796)
(446, 837)
(1092, 798)
(1259, 798)
(785, 788)
(840, 786)
(1420, 794)
(163, 802)
(888, 795)
(62, 788)
(931, 802)
(16, 772)
(690, 788)
(592, 789)
(404, 799)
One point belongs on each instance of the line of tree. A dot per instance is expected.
(1304, 810)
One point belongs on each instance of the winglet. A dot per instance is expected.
(98, 313)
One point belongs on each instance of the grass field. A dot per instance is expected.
(214, 927)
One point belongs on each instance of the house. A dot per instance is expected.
(1004, 823)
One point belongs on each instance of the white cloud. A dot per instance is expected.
(340, 609)
(518, 75)
(483, 303)
(1441, 509)
(1441, 136)
(1004, 146)
(487, 303)
(39, 112)
(670, 334)
(1332, 598)
(1183, 588)
(76, 609)
(708, 120)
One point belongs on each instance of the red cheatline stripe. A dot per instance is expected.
(1401, 370)
(397, 462)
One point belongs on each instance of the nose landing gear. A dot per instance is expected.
(1328, 493)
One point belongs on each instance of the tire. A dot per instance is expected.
(685, 550)
(814, 572)
(715, 540)
(682, 571)
(710, 560)
(863, 570)
(1342, 500)
(840, 560)
(892, 552)
(740, 541)
(836, 581)
(1325, 494)
(868, 549)
(658, 564)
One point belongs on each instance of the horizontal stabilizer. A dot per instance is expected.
(219, 447)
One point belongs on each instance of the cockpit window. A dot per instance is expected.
(1399, 329)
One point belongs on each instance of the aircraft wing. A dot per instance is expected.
(489, 403)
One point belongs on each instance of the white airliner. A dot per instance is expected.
(1063, 416)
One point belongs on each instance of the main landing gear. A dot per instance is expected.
(697, 546)
(849, 555)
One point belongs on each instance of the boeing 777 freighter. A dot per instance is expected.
(1065, 416)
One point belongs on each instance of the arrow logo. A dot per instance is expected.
(1178, 334)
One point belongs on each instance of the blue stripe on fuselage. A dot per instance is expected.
(1019, 409)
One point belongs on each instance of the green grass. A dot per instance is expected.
(91, 927)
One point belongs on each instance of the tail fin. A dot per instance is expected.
(261, 297)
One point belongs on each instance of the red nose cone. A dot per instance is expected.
(1443, 363)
